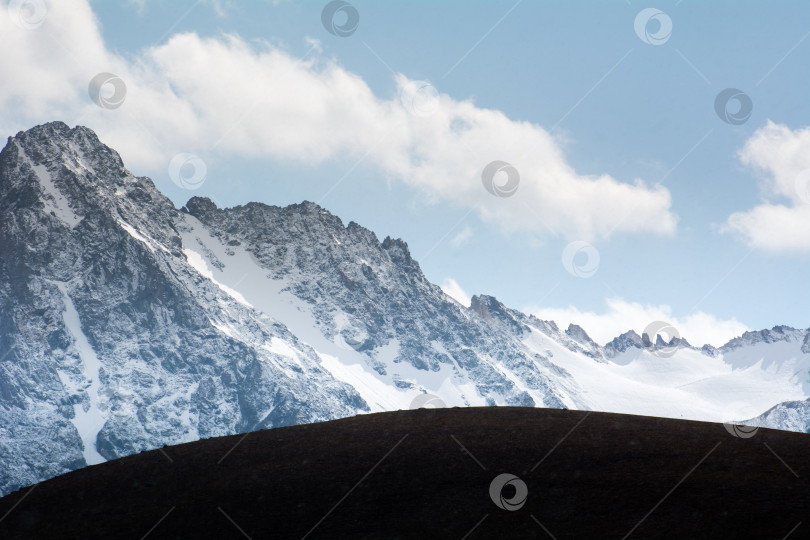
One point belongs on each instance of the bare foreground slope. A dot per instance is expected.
(429, 473)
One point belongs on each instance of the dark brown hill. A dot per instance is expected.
(427, 474)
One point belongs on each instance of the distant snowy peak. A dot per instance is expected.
(631, 339)
(590, 347)
(622, 343)
(774, 335)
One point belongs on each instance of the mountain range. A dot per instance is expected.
(127, 324)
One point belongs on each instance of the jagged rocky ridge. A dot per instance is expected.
(127, 324)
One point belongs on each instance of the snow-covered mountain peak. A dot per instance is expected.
(55, 145)
(68, 175)
(115, 336)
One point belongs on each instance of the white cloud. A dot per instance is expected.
(620, 316)
(782, 155)
(223, 96)
(462, 237)
(452, 289)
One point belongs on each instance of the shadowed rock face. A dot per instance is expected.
(429, 473)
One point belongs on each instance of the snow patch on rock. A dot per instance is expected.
(88, 417)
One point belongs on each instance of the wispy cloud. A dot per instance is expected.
(462, 237)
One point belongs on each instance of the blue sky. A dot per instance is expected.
(618, 145)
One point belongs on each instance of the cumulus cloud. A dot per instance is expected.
(782, 222)
(620, 316)
(224, 97)
(452, 289)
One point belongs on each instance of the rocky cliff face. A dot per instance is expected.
(127, 324)
(112, 342)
